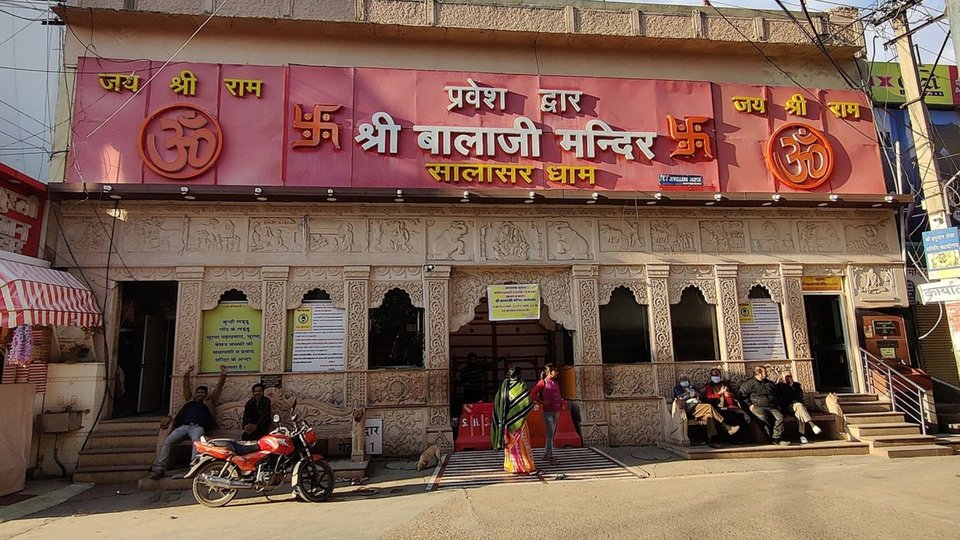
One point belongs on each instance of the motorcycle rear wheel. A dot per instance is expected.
(210, 496)
(315, 482)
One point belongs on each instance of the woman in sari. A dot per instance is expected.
(511, 406)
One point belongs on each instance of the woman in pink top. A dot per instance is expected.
(547, 394)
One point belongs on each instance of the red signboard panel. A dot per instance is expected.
(390, 128)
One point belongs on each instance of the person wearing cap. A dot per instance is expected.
(790, 395)
(689, 397)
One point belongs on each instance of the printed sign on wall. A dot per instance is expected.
(318, 337)
(762, 330)
(231, 337)
(514, 302)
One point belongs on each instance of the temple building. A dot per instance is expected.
(347, 199)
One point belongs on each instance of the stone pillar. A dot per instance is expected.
(658, 312)
(795, 317)
(437, 302)
(587, 360)
(274, 318)
(728, 320)
(186, 346)
(357, 300)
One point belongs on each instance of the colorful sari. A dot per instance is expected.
(509, 431)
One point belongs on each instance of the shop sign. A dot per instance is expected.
(21, 212)
(821, 283)
(762, 331)
(231, 337)
(513, 302)
(220, 124)
(942, 250)
(886, 84)
(318, 337)
(939, 291)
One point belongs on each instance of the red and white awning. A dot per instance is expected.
(37, 295)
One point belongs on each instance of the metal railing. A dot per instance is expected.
(905, 396)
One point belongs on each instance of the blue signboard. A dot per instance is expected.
(942, 250)
(680, 180)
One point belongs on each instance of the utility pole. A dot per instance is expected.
(938, 213)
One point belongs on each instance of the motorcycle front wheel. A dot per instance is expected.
(211, 496)
(315, 481)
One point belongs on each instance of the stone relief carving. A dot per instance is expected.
(438, 337)
(273, 327)
(392, 387)
(394, 235)
(772, 286)
(589, 333)
(568, 241)
(797, 315)
(396, 273)
(722, 237)
(591, 380)
(188, 327)
(337, 236)
(231, 273)
(871, 281)
(325, 387)
(316, 273)
(637, 287)
(596, 436)
(635, 423)
(820, 237)
(85, 234)
(356, 389)
(691, 271)
(622, 235)
(275, 235)
(769, 236)
(867, 238)
(673, 236)
(758, 272)
(403, 431)
(297, 289)
(628, 381)
(730, 318)
(154, 234)
(379, 289)
(439, 416)
(593, 411)
(213, 234)
(660, 317)
(823, 270)
(212, 292)
(467, 287)
(511, 241)
(705, 286)
(357, 311)
(450, 240)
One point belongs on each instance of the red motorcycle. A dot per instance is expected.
(224, 466)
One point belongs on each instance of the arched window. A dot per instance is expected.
(231, 335)
(624, 329)
(694, 326)
(316, 335)
(396, 332)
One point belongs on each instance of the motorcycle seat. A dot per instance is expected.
(239, 447)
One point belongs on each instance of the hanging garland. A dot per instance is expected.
(21, 347)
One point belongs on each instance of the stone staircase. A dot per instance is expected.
(119, 451)
(870, 419)
(949, 416)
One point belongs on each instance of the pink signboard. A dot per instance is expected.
(216, 124)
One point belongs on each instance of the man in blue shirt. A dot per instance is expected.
(195, 418)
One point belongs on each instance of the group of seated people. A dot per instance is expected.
(759, 398)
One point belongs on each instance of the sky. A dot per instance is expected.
(30, 59)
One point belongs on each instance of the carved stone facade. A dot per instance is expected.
(445, 257)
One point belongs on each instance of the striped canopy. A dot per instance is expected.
(37, 295)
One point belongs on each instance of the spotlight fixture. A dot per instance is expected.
(258, 193)
(888, 199)
(658, 195)
(466, 197)
(718, 197)
(330, 197)
(876, 205)
(530, 197)
(651, 202)
(399, 197)
(185, 191)
(107, 188)
(710, 203)
(834, 197)
(776, 197)
(594, 197)
(766, 203)
(822, 204)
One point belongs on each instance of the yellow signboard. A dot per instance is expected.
(886, 85)
(231, 337)
(821, 284)
(746, 313)
(514, 302)
(303, 319)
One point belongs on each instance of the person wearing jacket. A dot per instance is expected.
(194, 418)
(790, 396)
(760, 393)
(689, 397)
(257, 415)
(719, 393)
(546, 394)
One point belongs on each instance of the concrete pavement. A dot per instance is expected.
(838, 497)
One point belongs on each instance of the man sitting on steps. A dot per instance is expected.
(760, 393)
(195, 417)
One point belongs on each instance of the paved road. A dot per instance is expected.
(840, 497)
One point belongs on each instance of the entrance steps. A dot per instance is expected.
(120, 450)
(871, 419)
(749, 451)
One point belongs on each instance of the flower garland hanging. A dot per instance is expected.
(21, 348)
